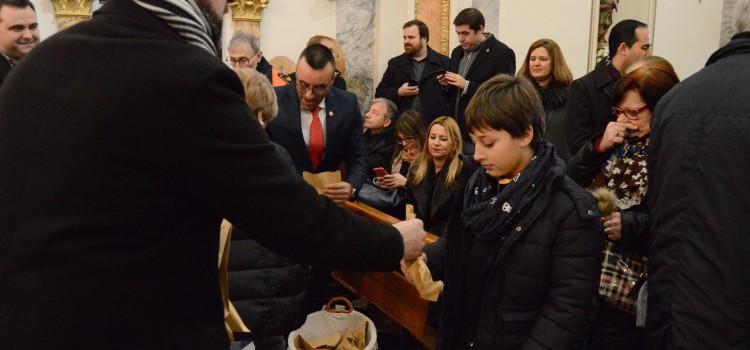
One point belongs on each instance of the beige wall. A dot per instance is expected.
(687, 32)
(567, 22)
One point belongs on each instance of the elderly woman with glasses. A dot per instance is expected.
(616, 160)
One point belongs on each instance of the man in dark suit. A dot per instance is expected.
(589, 105)
(115, 186)
(409, 80)
(19, 33)
(479, 57)
(321, 126)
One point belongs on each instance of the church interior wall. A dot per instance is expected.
(684, 32)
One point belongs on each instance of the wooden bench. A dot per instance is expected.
(390, 292)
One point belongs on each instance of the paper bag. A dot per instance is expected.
(320, 180)
(420, 276)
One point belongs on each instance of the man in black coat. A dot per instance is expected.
(698, 170)
(337, 112)
(118, 180)
(479, 57)
(589, 105)
(19, 33)
(410, 79)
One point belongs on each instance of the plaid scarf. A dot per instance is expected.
(489, 211)
(187, 19)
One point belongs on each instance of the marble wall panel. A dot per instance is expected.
(355, 31)
(491, 11)
(727, 27)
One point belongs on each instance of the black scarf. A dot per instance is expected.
(487, 212)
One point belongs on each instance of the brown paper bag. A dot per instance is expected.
(420, 276)
(320, 180)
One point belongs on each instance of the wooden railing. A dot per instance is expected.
(390, 292)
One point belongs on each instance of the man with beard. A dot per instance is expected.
(410, 79)
(19, 33)
(119, 177)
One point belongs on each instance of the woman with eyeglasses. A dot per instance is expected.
(437, 175)
(616, 160)
(410, 135)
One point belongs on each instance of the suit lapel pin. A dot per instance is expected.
(330, 114)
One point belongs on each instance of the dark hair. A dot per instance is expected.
(21, 4)
(471, 17)
(318, 56)
(424, 32)
(410, 123)
(652, 78)
(507, 103)
(623, 32)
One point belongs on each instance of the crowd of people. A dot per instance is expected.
(602, 212)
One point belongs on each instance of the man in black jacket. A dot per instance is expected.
(19, 33)
(244, 52)
(479, 57)
(699, 191)
(589, 105)
(118, 179)
(410, 79)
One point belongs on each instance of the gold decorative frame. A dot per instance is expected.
(248, 10)
(72, 8)
(444, 20)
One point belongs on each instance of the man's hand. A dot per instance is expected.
(455, 79)
(413, 233)
(406, 90)
(339, 192)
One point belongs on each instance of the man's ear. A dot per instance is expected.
(622, 48)
(386, 122)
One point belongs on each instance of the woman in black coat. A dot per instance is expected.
(267, 289)
(437, 175)
(616, 159)
(521, 263)
(545, 67)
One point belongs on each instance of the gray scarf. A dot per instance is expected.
(186, 18)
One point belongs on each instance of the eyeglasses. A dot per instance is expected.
(631, 113)
(404, 140)
(317, 90)
(242, 61)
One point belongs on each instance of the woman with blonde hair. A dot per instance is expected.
(545, 67)
(437, 175)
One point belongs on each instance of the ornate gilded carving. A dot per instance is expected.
(248, 10)
(72, 8)
(427, 9)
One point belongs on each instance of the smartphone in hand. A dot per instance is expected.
(380, 171)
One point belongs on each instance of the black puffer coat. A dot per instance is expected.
(540, 283)
(266, 289)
